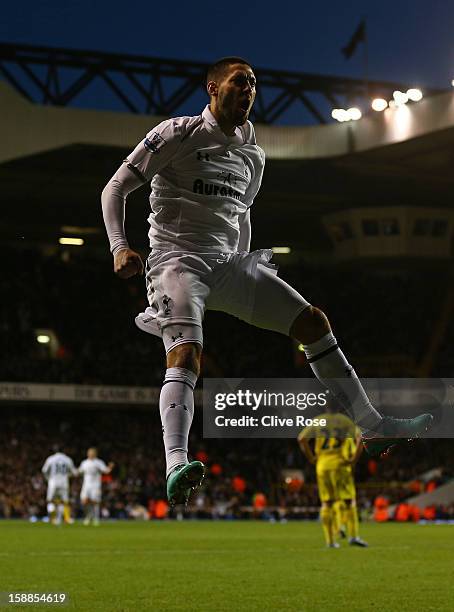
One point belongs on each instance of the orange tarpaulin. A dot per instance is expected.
(259, 501)
(431, 486)
(429, 513)
(216, 469)
(238, 484)
(158, 509)
(415, 513)
(402, 512)
(381, 513)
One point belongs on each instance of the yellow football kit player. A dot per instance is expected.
(337, 447)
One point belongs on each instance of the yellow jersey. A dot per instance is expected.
(335, 442)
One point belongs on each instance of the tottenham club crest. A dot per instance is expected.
(154, 143)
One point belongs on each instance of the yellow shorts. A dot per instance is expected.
(334, 485)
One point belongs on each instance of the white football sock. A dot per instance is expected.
(176, 405)
(59, 513)
(332, 369)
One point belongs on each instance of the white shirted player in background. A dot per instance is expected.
(205, 172)
(57, 469)
(92, 469)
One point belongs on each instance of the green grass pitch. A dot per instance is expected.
(231, 566)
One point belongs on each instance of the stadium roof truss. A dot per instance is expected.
(161, 86)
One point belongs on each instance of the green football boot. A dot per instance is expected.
(394, 431)
(182, 480)
(379, 447)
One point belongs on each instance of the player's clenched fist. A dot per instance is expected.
(127, 263)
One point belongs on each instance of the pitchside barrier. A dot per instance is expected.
(263, 408)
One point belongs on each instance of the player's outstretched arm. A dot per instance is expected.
(108, 468)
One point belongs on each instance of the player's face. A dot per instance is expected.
(91, 453)
(236, 94)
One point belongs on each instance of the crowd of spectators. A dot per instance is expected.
(245, 477)
(375, 313)
(382, 311)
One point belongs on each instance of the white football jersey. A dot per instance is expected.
(201, 181)
(92, 470)
(58, 467)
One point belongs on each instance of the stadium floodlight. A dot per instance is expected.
(354, 113)
(340, 114)
(281, 250)
(415, 95)
(400, 98)
(72, 241)
(379, 104)
(43, 339)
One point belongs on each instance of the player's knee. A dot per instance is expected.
(310, 325)
(185, 356)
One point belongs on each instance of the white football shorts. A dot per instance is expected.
(57, 491)
(181, 286)
(92, 493)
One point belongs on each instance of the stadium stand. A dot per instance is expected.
(393, 314)
(132, 439)
(91, 313)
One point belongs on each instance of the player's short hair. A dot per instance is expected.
(217, 70)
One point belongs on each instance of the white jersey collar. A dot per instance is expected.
(208, 116)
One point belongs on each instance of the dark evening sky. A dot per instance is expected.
(407, 41)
